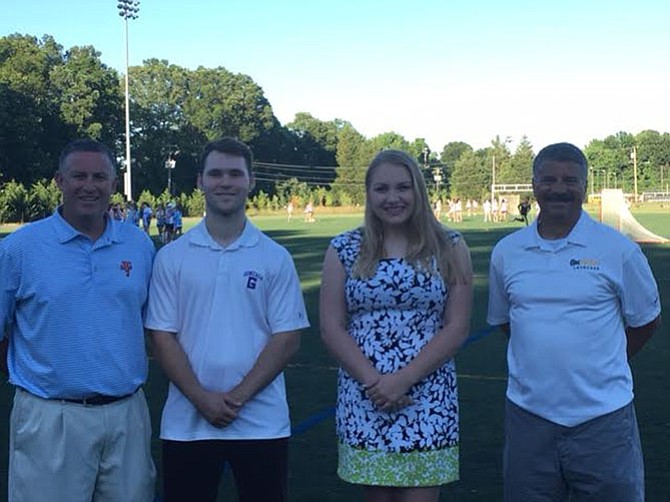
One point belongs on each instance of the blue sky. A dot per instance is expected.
(449, 70)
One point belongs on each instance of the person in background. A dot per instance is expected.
(169, 221)
(72, 291)
(178, 223)
(503, 210)
(161, 221)
(488, 211)
(131, 213)
(524, 209)
(577, 300)
(289, 210)
(396, 297)
(147, 216)
(116, 212)
(437, 209)
(309, 212)
(225, 313)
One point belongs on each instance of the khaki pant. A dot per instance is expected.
(67, 452)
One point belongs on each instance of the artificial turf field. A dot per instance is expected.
(481, 370)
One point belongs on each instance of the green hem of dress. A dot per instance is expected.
(411, 469)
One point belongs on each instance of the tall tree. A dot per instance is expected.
(521, 163)
(653, 157)
(221, 103)
(317, 140)
(160, 127)
(450, 154)
(89, 98)
(421, 152)
(471, 177)
(610, 162)
(388, 140)
(350, 175)
(31, 132)
(500, 157)
(349, 145)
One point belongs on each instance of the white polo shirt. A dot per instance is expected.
(224, 306)
(568, 308)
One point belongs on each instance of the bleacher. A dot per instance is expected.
(655, 196)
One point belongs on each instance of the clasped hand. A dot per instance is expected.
(219, 408)
(389, 392)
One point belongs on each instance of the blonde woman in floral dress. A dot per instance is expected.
(396, 297)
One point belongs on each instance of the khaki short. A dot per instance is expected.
(68, 452)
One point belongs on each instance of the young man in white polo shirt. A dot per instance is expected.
(224, 314)
(577, 299)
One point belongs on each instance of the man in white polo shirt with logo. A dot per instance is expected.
(225, 311)
(577, 300)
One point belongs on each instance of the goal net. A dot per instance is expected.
(614, 211)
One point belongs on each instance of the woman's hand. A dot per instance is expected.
(390, 392)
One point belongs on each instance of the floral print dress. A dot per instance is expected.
(392, 315)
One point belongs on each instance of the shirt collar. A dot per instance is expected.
(249, 237)
(67, 232)
(577, 236)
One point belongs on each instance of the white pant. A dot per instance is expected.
(67, 452)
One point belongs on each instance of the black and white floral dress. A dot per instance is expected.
(392, 315)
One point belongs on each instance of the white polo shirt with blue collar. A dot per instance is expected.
(568, 306)
(224, 305)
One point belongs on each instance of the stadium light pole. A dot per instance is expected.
(170, 164)
(128, 9)
(633, 157)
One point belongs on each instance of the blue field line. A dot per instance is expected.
(324, 414)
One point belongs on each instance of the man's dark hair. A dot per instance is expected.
(85, 145)
(230, 146)
(561, 152)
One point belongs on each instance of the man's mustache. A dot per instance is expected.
(560, 197)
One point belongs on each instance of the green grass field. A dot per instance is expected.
(481, 370)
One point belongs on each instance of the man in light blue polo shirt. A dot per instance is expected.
(225, 313)
(577, 300)
(72, 290)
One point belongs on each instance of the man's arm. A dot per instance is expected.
(212, 405)
(636, 338)
(4, 347)
(270, 363)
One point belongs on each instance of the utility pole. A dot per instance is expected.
(634, 157)
(493, 178)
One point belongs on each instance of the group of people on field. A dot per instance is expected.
(308, 211)
(224, 311)
(494, 210)
(169, 219)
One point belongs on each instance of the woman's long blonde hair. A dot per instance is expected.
(429, 243)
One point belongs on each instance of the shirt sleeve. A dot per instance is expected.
(9, 284)
(640, 299)
(286, 305)
(498, 308)
(162, 309)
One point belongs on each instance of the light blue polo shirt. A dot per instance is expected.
(568, 306)
(73, 308)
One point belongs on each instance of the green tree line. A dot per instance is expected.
(50, 95)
